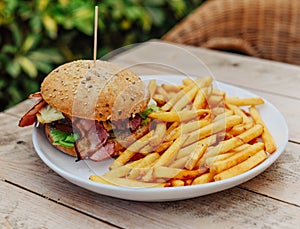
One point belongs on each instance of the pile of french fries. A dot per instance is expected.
(199, 135)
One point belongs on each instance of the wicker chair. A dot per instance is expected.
(267, 29)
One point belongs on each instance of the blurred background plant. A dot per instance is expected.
(38, 35)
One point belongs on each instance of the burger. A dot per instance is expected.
(91, 109)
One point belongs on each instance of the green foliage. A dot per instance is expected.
(38, 35)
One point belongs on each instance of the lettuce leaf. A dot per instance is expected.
(64, 139)
(144, 114)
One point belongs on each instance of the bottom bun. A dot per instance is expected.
(69, 151)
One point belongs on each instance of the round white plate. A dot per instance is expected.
(79, 172)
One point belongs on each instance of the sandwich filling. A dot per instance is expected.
(92, 139)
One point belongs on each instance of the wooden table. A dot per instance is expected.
(33, 196)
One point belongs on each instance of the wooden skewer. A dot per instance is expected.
(95, 33)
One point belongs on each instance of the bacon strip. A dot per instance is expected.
(135, 122)
(93, 142)
(103, 152)
(30, 117)
(35, 95)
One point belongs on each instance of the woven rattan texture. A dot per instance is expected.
(267, 29)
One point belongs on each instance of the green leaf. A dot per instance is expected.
(50, 26)
(42, 5)
(16, 34)
(63, 138)
(9, 49)
(30, 42)
(35, 23)
(157, 15)
(46, 56)
(13, 68)
(2, 83)
(144, 114)
(14, 94)
(154, 2)
(27, 65)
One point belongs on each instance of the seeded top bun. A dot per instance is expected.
(99, 91)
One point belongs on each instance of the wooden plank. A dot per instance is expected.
(22, 209)
(20, 165)
(282, 179)
(280, 78)
(21, 108)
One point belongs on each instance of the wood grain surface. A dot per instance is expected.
(33, 196)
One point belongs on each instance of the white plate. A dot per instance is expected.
(79, 172)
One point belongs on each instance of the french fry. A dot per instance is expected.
(163, 146)
(200, 98)
(195, 156)
(185, 100)
(251, 133)
(175, 98)
(194, 125)
(238, 129)
(145, 162)
(157, 138)
(160, 90)
(221, 148)
(205, 178)
(172, 88)
(224, 115)
(171, 152)
(243, 166)
(159, 99)
(124, 182)
(181, 174)
(220, 157)
(179, 162)
(158, 135)
(214, 100)
(220, 109)
(237, 158)
(239, 112)
(118, 172)
(187, 81)
(152, 87)
(167, 157)
(194, 137)
(176, 183)
(188, 149)
(266, 135)
(240, 148)
(148, 176)
(201, 82)
(165, 172)
(204, 82)
(187, 182)
(186, 128)
(244, 101)
(218, 92)
(180, 116)
(173, 126)
(213, 128)
(131, 151)
(231, 143)
(189, 174)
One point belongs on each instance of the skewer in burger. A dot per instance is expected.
(91, 110)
